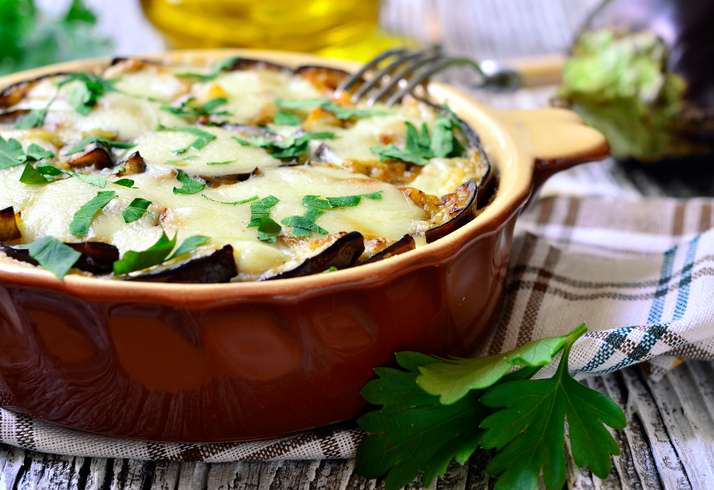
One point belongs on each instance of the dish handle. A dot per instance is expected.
(559, 140)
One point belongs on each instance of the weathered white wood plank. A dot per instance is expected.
(193, 476)
(688, 440)
(14, 464)
(130, 474)
(640, 402)
(96, 474)
(165, 476)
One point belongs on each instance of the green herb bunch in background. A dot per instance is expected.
(31, 37)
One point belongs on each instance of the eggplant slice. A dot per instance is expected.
(97, 155)
(135, 164)
(343, 253)
(404, 244)
(8, 225)
(216, 266)
(448, 212)
(324, 78)
(97, 257)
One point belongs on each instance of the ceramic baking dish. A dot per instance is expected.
(222, 362)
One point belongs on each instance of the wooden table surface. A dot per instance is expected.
(669, 439)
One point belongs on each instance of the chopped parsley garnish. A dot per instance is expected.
(303, 225)
(436, 410)
(289, 148)
(36, 152)
(182, 159)
(95, 180)
(53, 255)
(88, 140)
(36, 117)
(189, 245)
(190, 186)
(85, 215)
(216, 69)
(124, 183)
(189, 108)
(154, 255)
(268, 229)
(220, 163)
(283, 118)
(202, 138)
(11, 153)
(32, 176)
(419, 148)
(233, 203)
(339, 111)
(85, 96)
(135, 209)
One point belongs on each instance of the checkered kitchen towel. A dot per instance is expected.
(639, 272)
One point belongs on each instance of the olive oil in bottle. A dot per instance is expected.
(338, 28)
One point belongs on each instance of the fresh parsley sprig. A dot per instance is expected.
(419, 148)
(329, 105)
(417, 430)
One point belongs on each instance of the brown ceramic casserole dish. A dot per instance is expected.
(223, 362)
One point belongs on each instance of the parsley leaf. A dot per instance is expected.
(50, 170)
(36, 152)
(53, 255)
(303, 225)
(220, 163)
(189, 109)
(339, 111)
(95, 180)
(419, 148)
(190, 186)
(350, 201)
(283, 118)
(189, 244)
(182, 159)
(216, 69)
(88, 140)
(233, 203)
(31, 176)
(84, 216)
(415, 431)
(289, 148)
(529, 431)
(135, 209)
(453, 379)
(268, 229)
(202, 138)
(124, 183)
(155, 254)
(33, 119)
(11, 153)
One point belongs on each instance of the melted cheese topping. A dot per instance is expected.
(134, 113)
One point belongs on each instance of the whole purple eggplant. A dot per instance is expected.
(642, 71)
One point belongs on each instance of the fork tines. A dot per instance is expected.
(401, 75)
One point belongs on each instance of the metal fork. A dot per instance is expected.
(409, 68)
